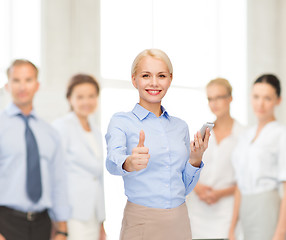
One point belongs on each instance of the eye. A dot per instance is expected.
(145, 75)
(255, 96)
(268, 98)
(162, 76)
(15, 80)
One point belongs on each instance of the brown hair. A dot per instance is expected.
(19, 62)
(80, 79)
(223, 82)
(272, 80)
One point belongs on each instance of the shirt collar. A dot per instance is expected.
(13, 110)
(142, 113)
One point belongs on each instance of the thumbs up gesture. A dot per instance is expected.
(139, 158)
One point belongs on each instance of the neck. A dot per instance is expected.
(153, 107)
(224, 120)
(263, 122)
(83, 121)
(25, 109)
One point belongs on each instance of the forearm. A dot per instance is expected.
(226, 191)
(191, 176)
(61, 226)
(281, 226)
(235, 214)
(197, 187)
(114, 163)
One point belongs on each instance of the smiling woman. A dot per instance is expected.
(152, 151)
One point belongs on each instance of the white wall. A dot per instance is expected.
(266, 38)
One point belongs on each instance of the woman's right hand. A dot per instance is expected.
(139, 158)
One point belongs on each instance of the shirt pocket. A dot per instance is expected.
(9, 148)
(47, 148)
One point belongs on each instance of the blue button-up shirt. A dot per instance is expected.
(13, 165)
(169, 176)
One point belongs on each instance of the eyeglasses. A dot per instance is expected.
(218, 98)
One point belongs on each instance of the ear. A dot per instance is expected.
(38, 85)
(230, 99)
(7, 87)
(279, 101)
(171, 78)
(134, 81)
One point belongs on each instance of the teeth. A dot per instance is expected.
(153, 92)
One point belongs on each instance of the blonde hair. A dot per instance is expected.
(155, 53)
(223, 82)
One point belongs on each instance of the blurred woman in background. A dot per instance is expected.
(210, 204)
(259, 161)
(83, 150)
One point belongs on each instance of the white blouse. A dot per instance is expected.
(261, 165)
(213, 221)
(84, 158)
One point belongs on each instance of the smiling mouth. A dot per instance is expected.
(153, 92)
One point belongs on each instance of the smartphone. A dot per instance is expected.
(209, 125)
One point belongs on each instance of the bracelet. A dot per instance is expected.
(62, 233)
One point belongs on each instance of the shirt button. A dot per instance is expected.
(167, 185)
(167, 166)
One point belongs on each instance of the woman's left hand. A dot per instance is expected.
(198, 147)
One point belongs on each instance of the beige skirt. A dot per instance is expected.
(144, 223)
(259, 215)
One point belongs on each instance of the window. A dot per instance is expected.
(204, 40)
(20, 22)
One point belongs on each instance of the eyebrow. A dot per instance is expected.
(150, 72)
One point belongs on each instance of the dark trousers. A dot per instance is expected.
(16, 225)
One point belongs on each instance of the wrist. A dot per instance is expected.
(195, 163)
(126, 164)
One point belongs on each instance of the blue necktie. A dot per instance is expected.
(34, 182)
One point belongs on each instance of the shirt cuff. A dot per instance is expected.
(192, 171)
(120, 165)
(60, 214)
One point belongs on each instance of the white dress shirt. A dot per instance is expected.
(261, 165)
(213, 221)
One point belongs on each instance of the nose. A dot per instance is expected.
(260, 103)
(22, 86)
(154, 81)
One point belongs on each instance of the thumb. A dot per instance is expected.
(141, 139)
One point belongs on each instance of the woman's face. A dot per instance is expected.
(219, 100)
(84, 99)
(152, 79)
(264, 100)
